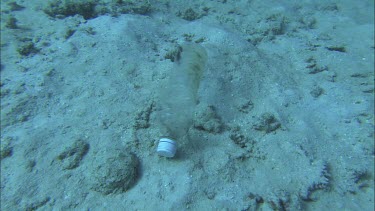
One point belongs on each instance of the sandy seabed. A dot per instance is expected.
(284, 118)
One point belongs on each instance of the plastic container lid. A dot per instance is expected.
(166, 147)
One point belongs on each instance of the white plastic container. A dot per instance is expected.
(166, 147)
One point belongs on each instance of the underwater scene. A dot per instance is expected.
(249, 105)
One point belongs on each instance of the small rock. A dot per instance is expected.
(268, 123)
(206, 119)
(72, 156)
(316, 92)
(114, 173)
(6, 147)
